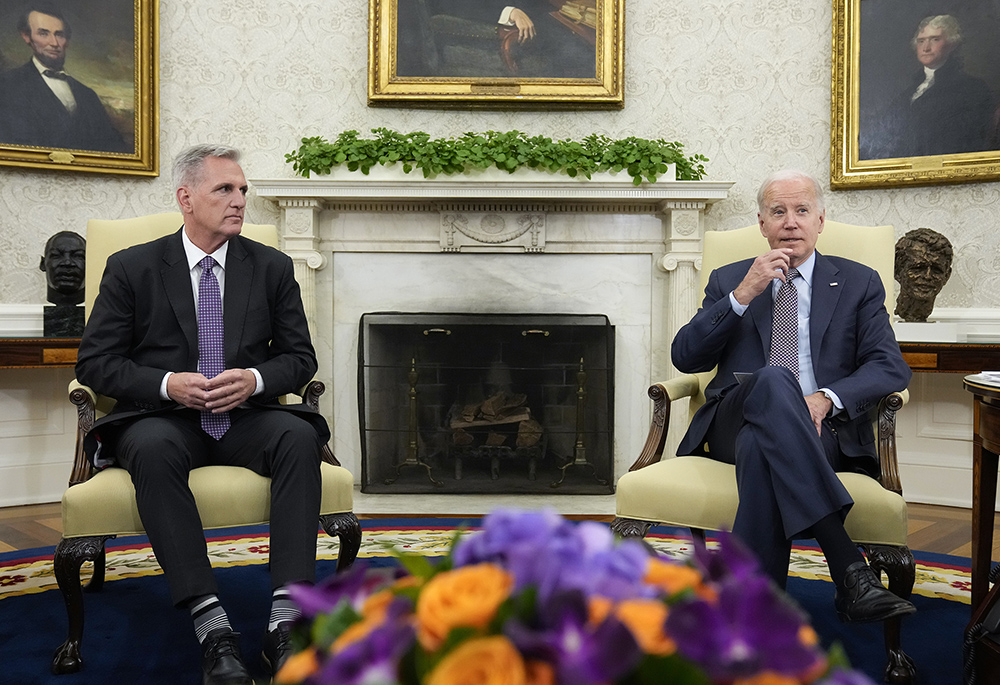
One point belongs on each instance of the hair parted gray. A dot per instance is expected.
(948, 24)
(187, 165)
(790, 175)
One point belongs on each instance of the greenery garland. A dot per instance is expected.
(643, 160)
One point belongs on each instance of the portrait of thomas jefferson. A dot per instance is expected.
(939, 108)
(46, 99)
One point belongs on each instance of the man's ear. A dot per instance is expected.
(41, 263)
(760, 224)
(184, 199)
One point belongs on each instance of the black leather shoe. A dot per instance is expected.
(277, 648)
(221, 663)
(865, 599)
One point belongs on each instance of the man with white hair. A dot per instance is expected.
(804, 350)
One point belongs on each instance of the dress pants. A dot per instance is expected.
(785, 471)
(160, 451)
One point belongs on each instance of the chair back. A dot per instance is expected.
(873, 246)
(105, 237)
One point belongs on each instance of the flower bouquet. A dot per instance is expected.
(533, 599)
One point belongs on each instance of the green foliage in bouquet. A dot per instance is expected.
(642, 159)
(533, 599)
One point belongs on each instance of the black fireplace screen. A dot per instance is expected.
(500, 403)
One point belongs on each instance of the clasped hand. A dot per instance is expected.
(766, 268)
(222, 393)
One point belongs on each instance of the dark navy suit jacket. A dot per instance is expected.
(144, 324)
(854, 351)
(31, 114)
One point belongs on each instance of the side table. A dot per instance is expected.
(985, 450)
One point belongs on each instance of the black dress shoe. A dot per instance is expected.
(865, 599)
(221, 663)
(277, 648)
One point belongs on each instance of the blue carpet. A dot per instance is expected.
(134, 635)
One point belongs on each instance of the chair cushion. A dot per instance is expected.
(226, 496)
(702, 494)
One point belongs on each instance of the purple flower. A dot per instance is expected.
(372, 659)
(751, 628)
(543, 550)
(731, 560)
(579, 653)
(353, 585)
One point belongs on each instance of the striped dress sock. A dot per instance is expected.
(208, 615)
(283, 609)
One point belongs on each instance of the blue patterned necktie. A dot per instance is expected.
(785, 333)
(211, 349)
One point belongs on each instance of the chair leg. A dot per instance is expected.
(900, 568)
(630, 528)
(69, 556)
(347, 528)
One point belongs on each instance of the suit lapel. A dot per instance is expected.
(239, 276)
(762, 311)
(826, 291)
(177, 282)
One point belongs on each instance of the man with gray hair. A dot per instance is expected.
(197, 335)
(804, 350)
(943, 110)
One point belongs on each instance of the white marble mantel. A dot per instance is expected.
(525, 243)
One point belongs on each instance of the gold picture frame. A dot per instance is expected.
(883, 132)
(457, 54)
(110, 80)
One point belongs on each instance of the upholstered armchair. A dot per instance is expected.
(700, 494)
(100, 505)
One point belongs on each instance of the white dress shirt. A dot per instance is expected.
(59, 87)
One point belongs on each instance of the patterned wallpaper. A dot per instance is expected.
(747, 84)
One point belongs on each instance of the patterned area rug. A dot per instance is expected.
(944, 580)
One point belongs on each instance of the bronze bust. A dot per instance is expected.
(64, 264)
(923, 266)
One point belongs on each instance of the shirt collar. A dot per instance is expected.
(42, 68)
(928, 72)
(194, 253)
(805, 270)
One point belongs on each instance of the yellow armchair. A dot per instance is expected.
(700, 493)
(99, 505)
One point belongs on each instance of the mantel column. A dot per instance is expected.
(300, 241)
(684, 228)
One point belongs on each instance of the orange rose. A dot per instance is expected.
(467, 596)
(645, 619)
(481, 661)
(675, 578)
(373, 612)
(298, 667)
(540, 673)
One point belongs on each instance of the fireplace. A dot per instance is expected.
(499, 403)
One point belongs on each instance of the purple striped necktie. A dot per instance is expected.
(211, 347)
(785, 331)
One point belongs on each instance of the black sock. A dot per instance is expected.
(208, 615)
(837, 546)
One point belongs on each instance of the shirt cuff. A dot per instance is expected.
(163, 386)
(260, 382)
(505, 16)
(740, 309)
(838, 406)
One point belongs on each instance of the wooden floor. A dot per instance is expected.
(944, 530)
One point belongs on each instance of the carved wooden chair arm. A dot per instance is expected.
(886, 439)
(662, 394)
(86, 401)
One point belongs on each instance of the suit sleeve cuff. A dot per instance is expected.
(740, 309)
(260, 382)
(163, 386)
(838, 406)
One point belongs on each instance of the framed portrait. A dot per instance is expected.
(78, 85)
(916, 91)
(496, 54)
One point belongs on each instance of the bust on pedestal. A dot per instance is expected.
(64, 265)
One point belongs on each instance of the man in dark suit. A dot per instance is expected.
(804, 351)
(43, 106)
(197, 334)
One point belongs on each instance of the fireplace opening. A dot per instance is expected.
(499, 403)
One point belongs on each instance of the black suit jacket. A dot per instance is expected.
(31, 114)
(854, 351)
(144, 324)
